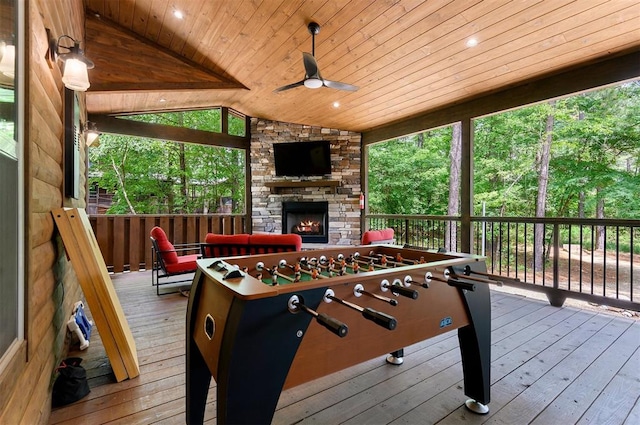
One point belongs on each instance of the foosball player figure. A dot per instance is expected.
(399, 258)
(371, 266)
(296, 272)
(383, 260)
(314, 273)
(274, 275)
(355, 267)
(422, 260)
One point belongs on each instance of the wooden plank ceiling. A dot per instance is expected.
(407, 56)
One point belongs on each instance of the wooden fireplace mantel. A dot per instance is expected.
(276, 186)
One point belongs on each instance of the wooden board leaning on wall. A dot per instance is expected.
(85, 256)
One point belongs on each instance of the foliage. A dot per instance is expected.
(410, 175)
(149, 176)
(595, 156)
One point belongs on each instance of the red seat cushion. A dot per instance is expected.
(264, 243)
(164, 245)
(186, 263)
(378, 236)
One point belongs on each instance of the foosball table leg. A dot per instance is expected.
(396, 358)
(475, 348)
(198, 376)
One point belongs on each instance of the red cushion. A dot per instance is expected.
(378, 236)
(264, 243)
(186, 263)
(226, 245)
(164, 245)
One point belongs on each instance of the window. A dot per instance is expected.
(11, 310)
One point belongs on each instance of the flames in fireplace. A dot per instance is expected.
(308, 227)
(309, 219)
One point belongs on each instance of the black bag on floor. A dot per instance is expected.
(71, 384)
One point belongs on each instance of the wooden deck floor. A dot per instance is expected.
(549, 366)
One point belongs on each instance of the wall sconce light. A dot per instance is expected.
(8, 59)
(91, 133)
(75, 76)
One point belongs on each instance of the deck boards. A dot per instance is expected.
(549, 365)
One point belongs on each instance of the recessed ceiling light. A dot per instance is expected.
(472, 42)
(178, 14)
(336, 104)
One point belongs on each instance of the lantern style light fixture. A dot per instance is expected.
(91, 133)
(75, 76)
(7, 59)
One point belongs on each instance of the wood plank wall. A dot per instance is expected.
(51, 287)
(124, 239)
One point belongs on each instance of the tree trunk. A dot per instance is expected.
(600, 239)
(455, 159)
(543, 181)
(124, 189)
(183, 179)
(581, 204)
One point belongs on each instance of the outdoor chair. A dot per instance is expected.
(166, 261)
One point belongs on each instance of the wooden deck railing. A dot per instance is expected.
(570, 265)
(124, 239)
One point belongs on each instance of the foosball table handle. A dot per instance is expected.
(333, 324)
(380, 318)
(405, 292)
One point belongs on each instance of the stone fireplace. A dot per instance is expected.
(339, 192)
(310, 220)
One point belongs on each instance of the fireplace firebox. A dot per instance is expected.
(310, 220)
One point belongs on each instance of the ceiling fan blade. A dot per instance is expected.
(340, 86)
(310, 65)
(289, 86)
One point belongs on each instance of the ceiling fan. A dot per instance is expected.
(312, 77)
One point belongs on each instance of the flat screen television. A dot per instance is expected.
(300, 159)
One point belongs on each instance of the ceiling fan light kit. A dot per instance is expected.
(312, 77)
(313, 83)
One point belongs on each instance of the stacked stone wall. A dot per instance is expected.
(344, 211)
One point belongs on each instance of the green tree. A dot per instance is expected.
(410, 175)
(157, 176)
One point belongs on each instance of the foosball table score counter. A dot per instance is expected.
(263, 323)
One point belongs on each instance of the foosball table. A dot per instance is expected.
(263, 323)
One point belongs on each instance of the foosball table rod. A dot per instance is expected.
(377, 317)
(359, 290)
(451, 282)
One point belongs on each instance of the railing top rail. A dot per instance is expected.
(414, 217)
(488, 219)
(561, 220)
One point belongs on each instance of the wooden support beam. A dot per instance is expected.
(110, 124)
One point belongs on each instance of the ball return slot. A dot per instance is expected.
(377, 317)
